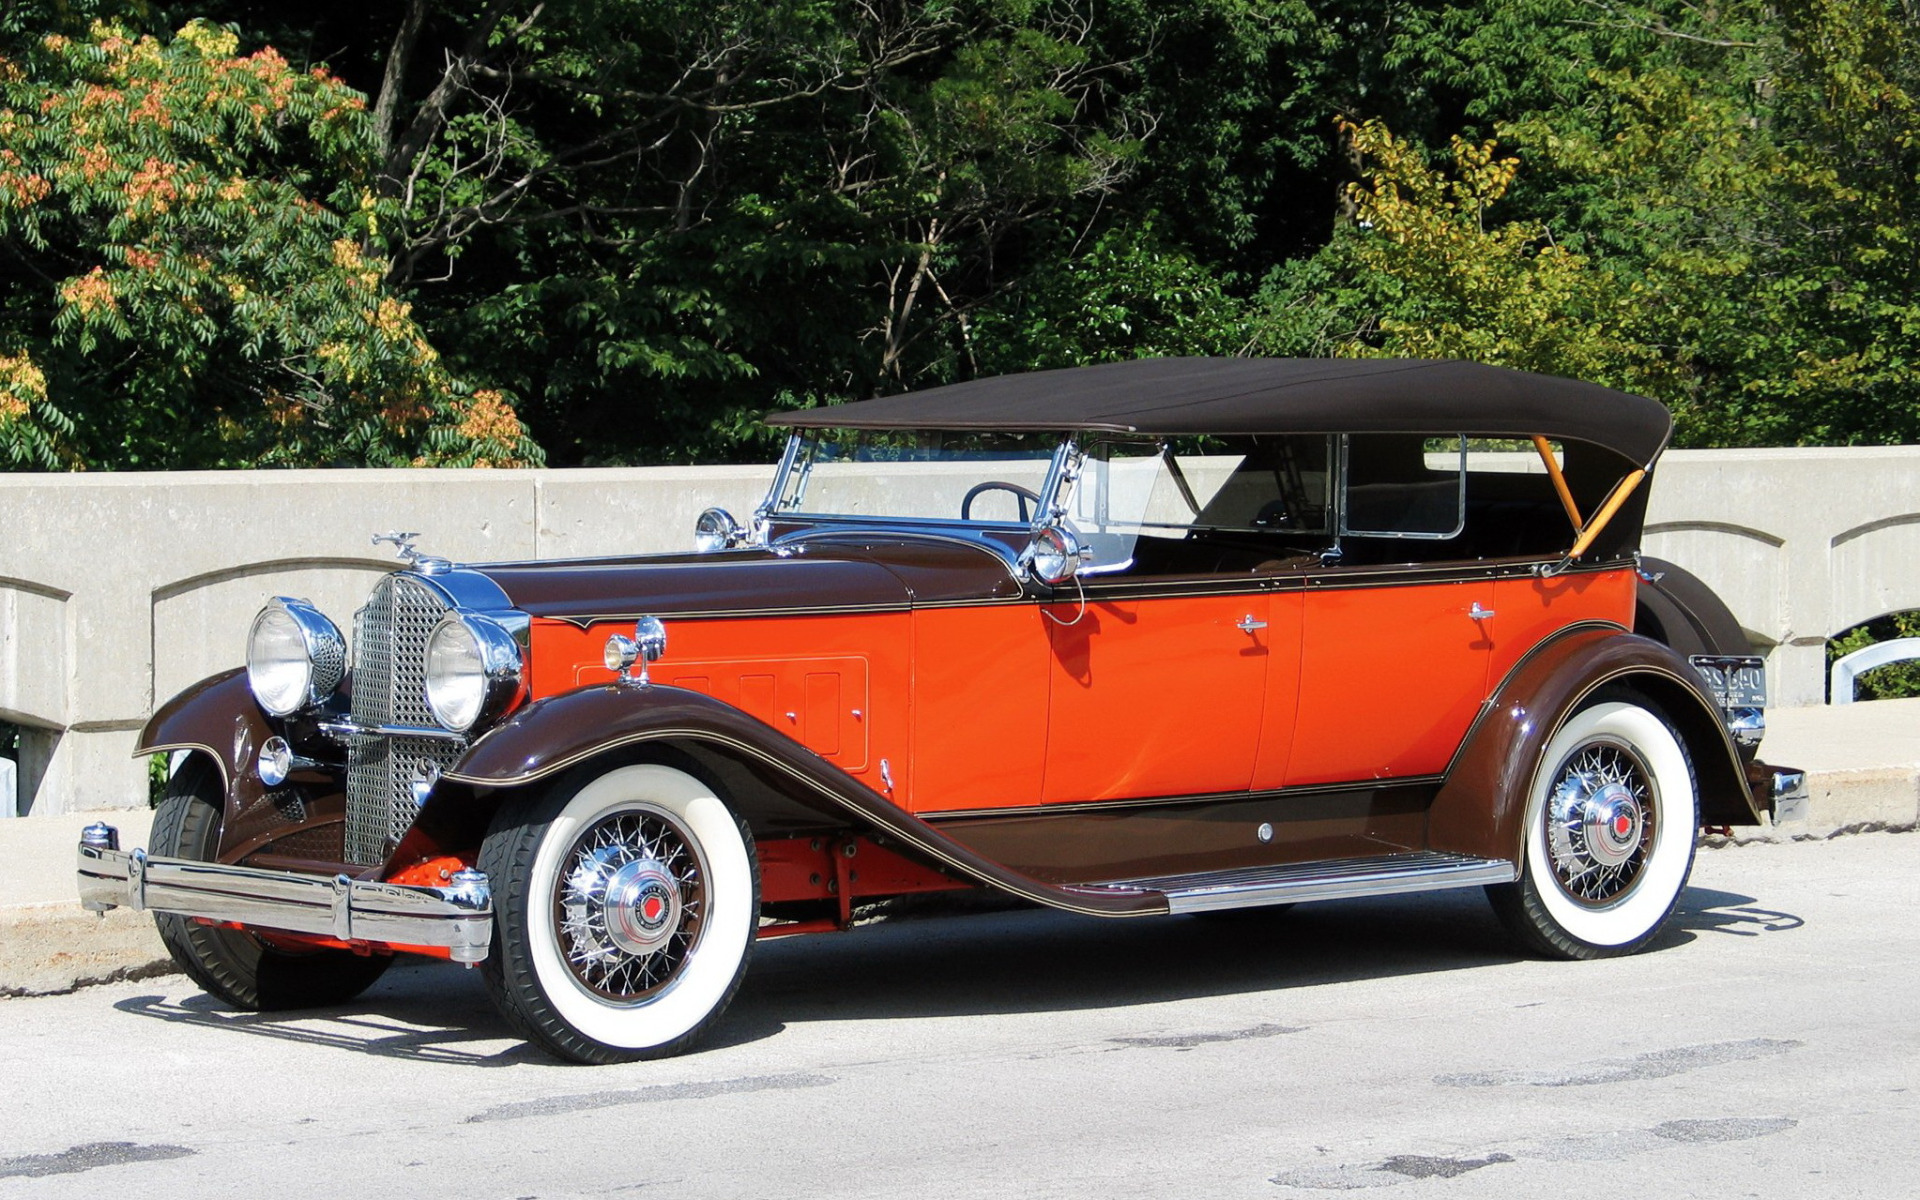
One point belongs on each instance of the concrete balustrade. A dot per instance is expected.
(118, 590)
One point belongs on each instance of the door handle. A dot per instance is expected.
(1248, 624)
(1480, 614)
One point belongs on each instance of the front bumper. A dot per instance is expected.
(457, 919)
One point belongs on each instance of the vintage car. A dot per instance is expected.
(1160, 637)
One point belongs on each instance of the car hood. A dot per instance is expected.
(842, 574)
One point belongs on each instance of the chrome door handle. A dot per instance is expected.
(1248, 624)
(1480, 614)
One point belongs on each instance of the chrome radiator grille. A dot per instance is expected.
(390, 688)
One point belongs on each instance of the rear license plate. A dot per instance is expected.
(1736, 682)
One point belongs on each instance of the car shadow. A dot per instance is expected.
(420, 1011)
(1705, 910)
(1040, 960)
(959, 961)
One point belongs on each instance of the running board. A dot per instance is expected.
(1332, 879)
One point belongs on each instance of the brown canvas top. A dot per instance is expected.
(1272, 395)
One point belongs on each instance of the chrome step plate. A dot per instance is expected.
(1332, 879)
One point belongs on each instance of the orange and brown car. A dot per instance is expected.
(1159, 637)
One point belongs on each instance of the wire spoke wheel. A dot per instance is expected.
(625, 902)
(628, 912)
(1602, 821)
(1608, 842)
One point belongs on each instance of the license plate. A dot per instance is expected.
(1736, 682)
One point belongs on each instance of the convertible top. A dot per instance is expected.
(1170, 396)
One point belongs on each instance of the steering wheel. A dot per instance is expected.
(1024, 495)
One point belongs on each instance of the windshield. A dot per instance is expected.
(980, 478)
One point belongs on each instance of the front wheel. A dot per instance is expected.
(625, 903)
(1610, 825)
(234, 965)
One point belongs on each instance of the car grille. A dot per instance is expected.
(390, 688)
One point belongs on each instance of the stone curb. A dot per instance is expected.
(52, 945)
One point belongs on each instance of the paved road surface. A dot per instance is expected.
(1768, 1048)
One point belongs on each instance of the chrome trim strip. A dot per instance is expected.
(219, 758)
(1112, 588)
(587, 620)
(458, 918)
(347, 727)
(1336, 879)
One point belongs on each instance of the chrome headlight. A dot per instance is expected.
(295, 656)
(473, 670)
(1054, 555)
(715, 529)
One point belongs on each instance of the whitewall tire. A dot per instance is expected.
(1611, 818)
(626, 903)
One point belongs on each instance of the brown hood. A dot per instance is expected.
(842, 575)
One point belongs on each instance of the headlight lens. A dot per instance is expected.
(295, 656)
(715, 529)
(473, 670)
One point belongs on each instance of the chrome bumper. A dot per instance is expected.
(457, 918)
(1789, 795)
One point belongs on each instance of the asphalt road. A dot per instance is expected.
(1767, 1047)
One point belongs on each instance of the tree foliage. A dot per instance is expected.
(193, 230)
(447, 230)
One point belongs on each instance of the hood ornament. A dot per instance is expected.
(402, 544)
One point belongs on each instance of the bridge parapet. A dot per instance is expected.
(117, 590)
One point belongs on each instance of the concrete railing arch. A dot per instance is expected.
(1849, 667)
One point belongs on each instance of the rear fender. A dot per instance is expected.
(1481, 808)
(777, 784)
(1676, 607)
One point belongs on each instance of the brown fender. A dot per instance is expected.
(555, 734)
(1481, 808)
(218, 716)
(219, 719)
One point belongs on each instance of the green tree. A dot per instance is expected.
(1726, 223)
(1427, 275)
(194, 272)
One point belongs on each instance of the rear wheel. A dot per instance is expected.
(1611, 818)
(625, 903)
(231, 964)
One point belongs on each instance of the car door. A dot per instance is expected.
(1175, 675)
(1156, 695)
(1395, 644)
(1392, 672)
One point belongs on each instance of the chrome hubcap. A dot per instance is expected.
(629, 906)
(1600, 822)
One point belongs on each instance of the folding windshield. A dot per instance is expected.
(884, 475)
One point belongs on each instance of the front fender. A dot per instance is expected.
(558, 733)
(218, 716)
(1481, 808)
(219, 719)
